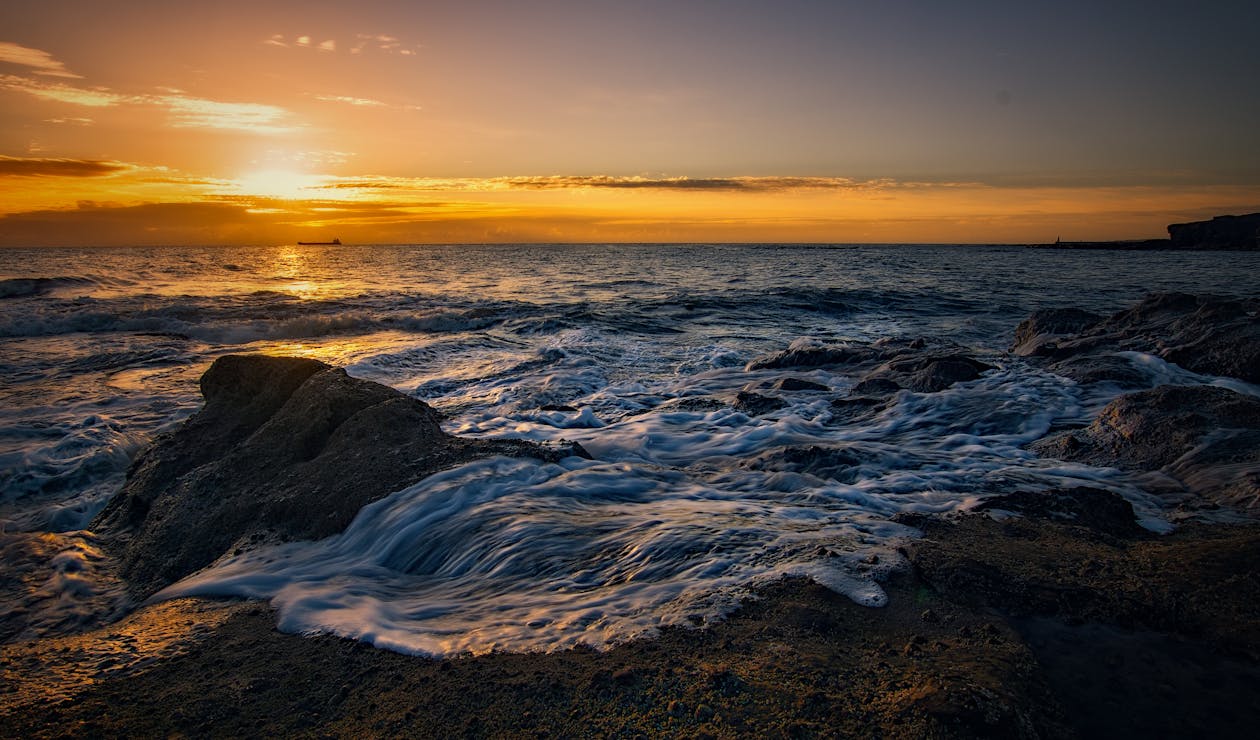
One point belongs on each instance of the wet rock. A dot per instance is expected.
(1035, 334)
(1207, 438)
(804, 353)
(1101, 369)
(798, 384)
(1099, 510)
(929, 374)
(855, 408)
(1207, 334)
(693, 404)
(284, 448)
(876, 387)
(835, 463)
(755, 404)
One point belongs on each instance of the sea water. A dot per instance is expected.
(685, 506)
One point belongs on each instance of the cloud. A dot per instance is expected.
(63, 93)
(71, 120)
(185, 111)
(382, 42)
(190, 112)
(46, 167)
(307, 42)
(750, 184)
(362, 102)
(41, 61)
(612, 182)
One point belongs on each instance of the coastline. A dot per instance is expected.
(1045, 613)
(1018, 628)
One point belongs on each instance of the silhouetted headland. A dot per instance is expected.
(1227, 233)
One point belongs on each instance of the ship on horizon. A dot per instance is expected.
(336, 242)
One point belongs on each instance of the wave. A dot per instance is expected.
(24, 287)
(515, 554)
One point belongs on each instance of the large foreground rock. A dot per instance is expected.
(284, 448)
(1206, 438)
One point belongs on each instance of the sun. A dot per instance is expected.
(283, 184)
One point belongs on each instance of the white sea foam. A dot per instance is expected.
(671, 524)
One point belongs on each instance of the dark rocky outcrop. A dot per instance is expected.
(1101, 368)
(885, 366)
(1046, 324)
(927, 374)
(798, 384)
(1222, 232)
(834, 463)
(1092, 508)
(284, 448)
(802, 354)
(1206, 438)
(755, 404)
(1206, 334)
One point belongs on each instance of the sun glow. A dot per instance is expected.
(282, 184)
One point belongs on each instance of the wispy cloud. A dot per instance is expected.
(348, 100)
(185, 111)
(41, 61)
(377, 42)
(279, 39)
(637, 182)
(364, 102)
(63, 93)
(191, 112)
(49, 167)
(382, 42)
(71, 120)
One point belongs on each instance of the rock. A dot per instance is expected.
(798, 384)
(835, 463)
(694, 404)
(1043, 325)
(1207, 438)
(806, 353)
(1222, 232)
(928, 374)
(755, 404)
(1094, 508)
(284, 448)
(876, 387)
(854, 408)
(1213, 335)
(1105, 368)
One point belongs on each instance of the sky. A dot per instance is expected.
(130, 122)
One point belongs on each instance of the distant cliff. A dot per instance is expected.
(1222, 232)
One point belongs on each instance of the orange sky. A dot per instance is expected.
(484, 121)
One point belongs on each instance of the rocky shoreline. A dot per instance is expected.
(1036, 614)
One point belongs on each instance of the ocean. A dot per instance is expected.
(635, 351)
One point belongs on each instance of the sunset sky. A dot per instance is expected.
(130, 122)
